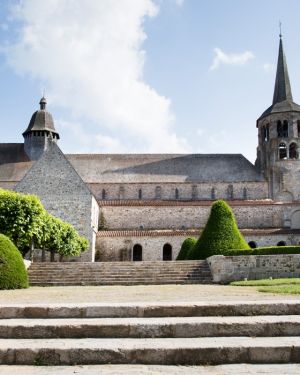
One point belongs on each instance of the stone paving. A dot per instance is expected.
(241, 369)
(165, 294)
(139, 293)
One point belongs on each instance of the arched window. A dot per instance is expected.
(158, 192)
(267, 132)
(282, 129)
(137, 253)
(279, 129)
(121, 192)
(194, 192)
(282, 151)
(293, 153)
(176, 193)
(252, 244)
(281, 243)
(285, 129)
(167, 252)
(140, 194)
(230, 192)
(103, 194)
(213, 193)
(245, 193)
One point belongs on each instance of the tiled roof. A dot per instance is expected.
(189, 232)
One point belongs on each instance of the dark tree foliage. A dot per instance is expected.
(186, 246)
(13, 274)
(220, 234)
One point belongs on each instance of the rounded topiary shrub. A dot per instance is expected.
(220, 234)
(186, 246)
(13, 274)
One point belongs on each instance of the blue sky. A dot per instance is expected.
(145, 75)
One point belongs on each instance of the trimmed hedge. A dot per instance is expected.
(220, 234)
(13, 274)
(186, 246)
(271, 250)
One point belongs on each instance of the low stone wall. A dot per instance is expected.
(252, 267)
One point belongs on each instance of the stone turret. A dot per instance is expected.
(39, 132)
(279, 138)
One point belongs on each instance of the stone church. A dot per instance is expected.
(143, 206)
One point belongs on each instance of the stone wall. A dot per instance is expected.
(252, 267)
(184, 191)
(63, 193)
(114, 247)
(120, 248)
(189, 216)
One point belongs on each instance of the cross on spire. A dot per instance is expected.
(280, 33)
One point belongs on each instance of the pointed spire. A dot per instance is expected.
(282, 90)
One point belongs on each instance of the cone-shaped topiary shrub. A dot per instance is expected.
(220, 234)
(186, 246)
(13, 274)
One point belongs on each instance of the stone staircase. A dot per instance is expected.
(119, 273)
(162, 334)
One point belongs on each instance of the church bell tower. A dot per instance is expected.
(279, 138)
(39, 132)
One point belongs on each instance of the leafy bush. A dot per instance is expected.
(271, 250)
(220, 234)
(13, 274)
(186, 246)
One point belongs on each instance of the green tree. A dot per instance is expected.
(220, 234)
(13, 274)
(61, 238)
(21, 218)
(186, 246)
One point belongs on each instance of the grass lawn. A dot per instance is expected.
(285, 286)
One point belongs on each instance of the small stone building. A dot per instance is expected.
(143, 206)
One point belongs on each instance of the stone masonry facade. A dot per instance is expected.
(143, 206)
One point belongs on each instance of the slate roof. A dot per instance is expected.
(14, 162)
(138, 168)
(282, 98)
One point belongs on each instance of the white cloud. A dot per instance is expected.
(89, 56)
(230, 58)
(269, 68)
(179, 2)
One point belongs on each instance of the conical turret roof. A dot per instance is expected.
(41, 120)
(282, 97)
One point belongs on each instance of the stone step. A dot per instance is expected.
(119, 273)
(148, 310)
(125, 283)
(121, 276)
(123, 264)
(236, 369)
(167, 327)
(165, 351)
(107, 275)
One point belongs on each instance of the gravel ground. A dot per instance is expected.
(140, 293)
